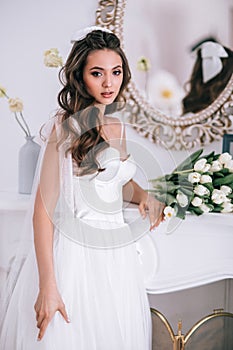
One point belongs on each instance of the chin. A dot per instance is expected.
(106, 103)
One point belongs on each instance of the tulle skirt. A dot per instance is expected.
(104, 295)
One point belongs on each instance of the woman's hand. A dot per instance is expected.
(154, 209)
(48, 302)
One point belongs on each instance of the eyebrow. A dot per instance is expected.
(100, 68)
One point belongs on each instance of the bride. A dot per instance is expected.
(82, 274)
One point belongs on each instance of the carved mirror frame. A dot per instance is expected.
(198, 129)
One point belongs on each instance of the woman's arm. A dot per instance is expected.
(43, 240)
(147, 204)
(49, 300)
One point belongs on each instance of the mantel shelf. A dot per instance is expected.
(175, 256)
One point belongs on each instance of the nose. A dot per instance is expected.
(107, 81)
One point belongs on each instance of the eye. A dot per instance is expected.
(117, 72)
(96, 74)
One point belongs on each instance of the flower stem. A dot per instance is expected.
(146, 84)
(183, 171)
(25, 123)
(20, 124)
(3, 92)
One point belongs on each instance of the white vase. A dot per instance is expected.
(27, 161)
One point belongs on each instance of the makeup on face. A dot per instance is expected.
(103, 75)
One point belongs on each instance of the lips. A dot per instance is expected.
(107, 94)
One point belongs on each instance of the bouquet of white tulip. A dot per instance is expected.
(200, 184)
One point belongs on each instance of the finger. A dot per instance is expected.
(152, 216)
(37, 310)
(156, 223)
(155, 219)
(40, 317)
(142, 209)
(43, 327)
(63, 312)
(158, 219)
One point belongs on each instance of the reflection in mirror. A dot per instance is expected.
(211, 72)
(161, 38)
(165, 126)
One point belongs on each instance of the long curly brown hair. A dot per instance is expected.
(80, 118)
(201, 95)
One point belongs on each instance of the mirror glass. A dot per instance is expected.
(163, 32)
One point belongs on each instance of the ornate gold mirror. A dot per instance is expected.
(198, 129)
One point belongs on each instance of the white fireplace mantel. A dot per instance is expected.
(188, 253)
(175, 256)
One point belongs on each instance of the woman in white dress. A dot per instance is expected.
(83, 277)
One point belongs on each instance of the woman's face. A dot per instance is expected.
(103, 75)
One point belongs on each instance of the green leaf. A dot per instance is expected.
(195, 210)
(166, 186)
(216, 156)
(218, 174)
(158, 179)
(188, 192)
(217, 210)
(181, 214)
(172, 188)
(188, 162)
(210, 156)
(196, 155)
(210, 206)
(161, 197)
(169, 177)
(210, 186)
(224, 180)
(224, 171)
(170, 199)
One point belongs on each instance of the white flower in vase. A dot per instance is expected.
(29, 152)
(165, 93)
(52, 58)
(16, 107)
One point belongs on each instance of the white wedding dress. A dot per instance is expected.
(98, 273)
